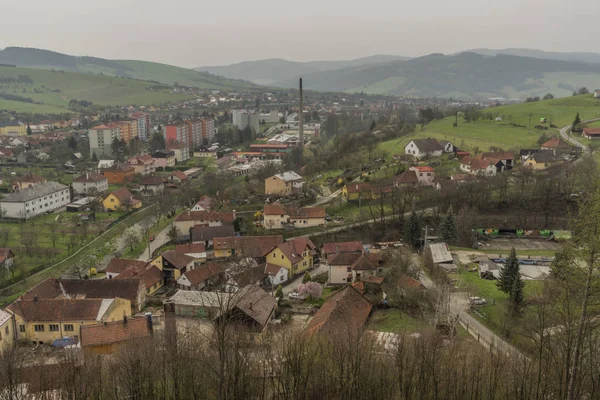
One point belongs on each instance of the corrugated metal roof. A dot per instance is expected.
(440, 253)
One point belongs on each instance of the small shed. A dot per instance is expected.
(488, 269)
(440, 254)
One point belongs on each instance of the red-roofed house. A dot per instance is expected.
(152, 276)
(555, 143)
(275, 216)
(478, 166)
(351, 267)
(177, 177)
(591, 133)
(425, 174)
(204, 204)
(295, 255)
(195, 250)
(117, 266)
(341, 247)
(201, 277)
(27, 181)
(143, 165)
(245, 246)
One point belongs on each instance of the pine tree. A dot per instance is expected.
(373, 126)
(508, 272)
(307, 278)
(448, 227)
(94, 157)
(279, 292)
(412, 232)
(576, 122)
(29, 131)
(517, 299)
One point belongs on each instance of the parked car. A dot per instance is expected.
(296, 296)
(477, 301)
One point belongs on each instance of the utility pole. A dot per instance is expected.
(425, 241)
(456, 119)
(530, 123)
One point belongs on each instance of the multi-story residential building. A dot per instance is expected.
(101, 138)
(194, 133)
(181, 150)
(143, 165)
(144, 125)
(208, 130)
(164, 158)
(125, 130)
(244, 118)
(296, 255)
(90, 183)
(119, 173)
(13, 128)
(176, 133)
(36, 200)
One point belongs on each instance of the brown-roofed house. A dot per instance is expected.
(150, 274)
(119, 173)
(175, 264)
(43, 320)
(27, 181)
(407, 178)
(90, 182)
(477, 166)
(275, 216)
(152, 184)
(195, 250)
(276, 273)
(591, 133)
(121, 198)
(201, 277)
(187, 220)
(133, 290)
(206, 234)
(343, 313)
(295, 255)
(245, 246)
(119, 265)
(251, 308)
(341, 247)
(351, 267)
(555, 143)
(177, 177)
(105, 338)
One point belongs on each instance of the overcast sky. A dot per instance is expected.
(197, 33)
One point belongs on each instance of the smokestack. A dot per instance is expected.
(301, 117)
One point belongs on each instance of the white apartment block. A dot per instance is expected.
(36, 200)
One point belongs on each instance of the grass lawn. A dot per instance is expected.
(394, 320)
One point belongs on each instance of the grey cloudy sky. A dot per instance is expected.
(196, 33)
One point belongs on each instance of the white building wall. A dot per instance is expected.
(38, 206)
(338, 274)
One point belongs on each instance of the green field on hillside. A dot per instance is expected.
(55, 89)
(485, 134)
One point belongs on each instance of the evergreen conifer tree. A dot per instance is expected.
(517, 299)
(508, 273)
(412, 232)
(306, 278)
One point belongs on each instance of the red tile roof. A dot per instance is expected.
(422, 168)
(90, 177)
(57, 309)
(179, 174)
(250, 246)
(344, 312)
(149, 274)
(114, 332)
(53, 288)
(406, 281)
(203, 272)
(407, 177)
(359, 187)
(178, 260)
(555, 143)
(591, 131)
(272, 269)
(123, 194)
(476, 163)
(294, 248)
(305, 212)
(342, 247)
(190, 248)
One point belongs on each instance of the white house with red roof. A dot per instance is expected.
(425, 174)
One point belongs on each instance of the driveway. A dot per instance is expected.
(293, 284)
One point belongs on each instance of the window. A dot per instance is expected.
(38, 328)
(304, 264)
(53, 327)
(282, 256)
(22, 328)
(68, 327)
(281, 278)
(429, 174)
(348, 269)
(6, 330)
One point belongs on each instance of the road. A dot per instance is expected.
(459, 305)
(564, 132)
(159, 240)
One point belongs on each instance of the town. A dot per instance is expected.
(222, 233)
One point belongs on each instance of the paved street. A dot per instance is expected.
(159, 240)
(564, 132)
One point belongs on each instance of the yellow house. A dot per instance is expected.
(542, 160)
(13, 129)
(356, 191)
(7, 333)
(45, 320)
(121, 198)
(295, 255)
(151, 275)
(284, 184)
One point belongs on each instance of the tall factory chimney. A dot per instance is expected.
(301, 117)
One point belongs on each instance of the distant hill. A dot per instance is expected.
(163, 73)
(45, 91)
(461, 76)
(546, 55)
(273, 70)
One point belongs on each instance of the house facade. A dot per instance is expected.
(187, 220)
(142, 165)
(121, 199)
(478, 166)
(7, 333)
(421, 148)
(36, 200)
(275, 216)
(90, 182)
(425, 175)
(45, 320)
(119, 173)
(152, 184)
(276, 273)
(295, 255)
(351, 267)
(164, 158)
(284, 184)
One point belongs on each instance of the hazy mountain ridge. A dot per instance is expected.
(144, 70)
(273, 70)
